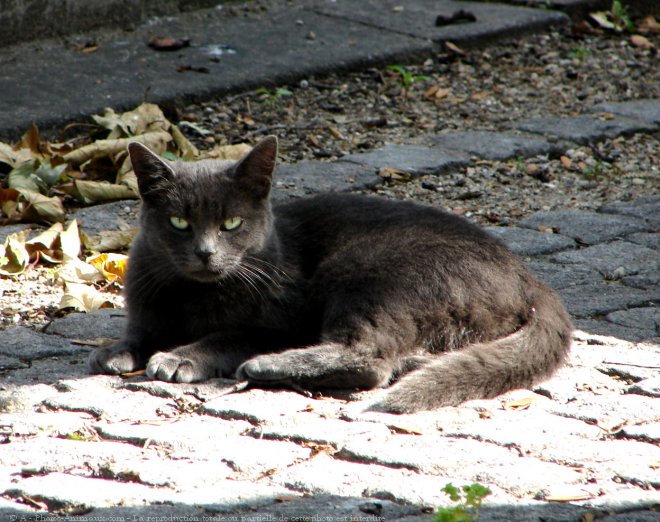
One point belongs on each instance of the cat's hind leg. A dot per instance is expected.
(327, 365)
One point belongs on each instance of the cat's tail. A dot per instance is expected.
(485, 370)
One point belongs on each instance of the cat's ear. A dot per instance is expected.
(151, 171)
(256, 169)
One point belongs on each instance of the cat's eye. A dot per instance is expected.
(179, 223)
(232, 223)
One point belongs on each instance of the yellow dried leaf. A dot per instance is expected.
(519, 404)
(156, 141)
(112, 266)
(228, 152)
(77, 271)
(110, 240)
(405, 429)
(393, 174)
(45, 245)
(186, 149)
(641, 41)
(14, 258)
(566, 162)
(96, 191)
(83, 298)
(41, 208)
(70, 242)
(569, 497)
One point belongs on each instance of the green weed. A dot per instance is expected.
(468, 499)
(406, 79)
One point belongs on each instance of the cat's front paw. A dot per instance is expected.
(264, 368)
(112, 360)
(174, 367)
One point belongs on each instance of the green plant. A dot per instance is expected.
(406, 79)
(617, 18)
(273, 98)
(579, 53)
(468, 499)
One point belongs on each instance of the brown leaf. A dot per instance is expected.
(168, 43)
(405, 429)
(566, 162)
(649, 25)
(641, 41)
(112, 266)
(318, 448)
(83, 298)
(14, 258)
(454, 49)
(519, 404)
(394, 174)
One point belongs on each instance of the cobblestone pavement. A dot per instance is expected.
(581, 446)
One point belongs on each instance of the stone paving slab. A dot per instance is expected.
(644, 208)
(643, 110)
(497, 146)
(239, 53)
(419, 18)
(310, 177)
(586, 227)
(584, 129)
(526, 242)
(614, 260)
(414, 159)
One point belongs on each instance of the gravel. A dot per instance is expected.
(325, 118)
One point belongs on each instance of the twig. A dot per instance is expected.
(631, 364)
(264, 130)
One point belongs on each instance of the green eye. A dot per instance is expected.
(179, 223)
(232, 223)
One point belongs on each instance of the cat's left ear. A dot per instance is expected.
(151, 171)
(256, 169)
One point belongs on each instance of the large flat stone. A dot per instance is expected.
(587, 227)
(647, 209)
(324, 475)
(645, 110)
(26, 344)
(311, 177)
(647, 318)
(596, 299)
(498, 146)
(418, 18)
(106, 323)
(119, 215)
(585, 129)
(562, 276)
(62, 490)
(614, 260)
(264, 48)
(414, 159)
(526, 242)
(603, 327)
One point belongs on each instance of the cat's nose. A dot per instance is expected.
(204, 252)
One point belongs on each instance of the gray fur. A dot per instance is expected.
(333, 291)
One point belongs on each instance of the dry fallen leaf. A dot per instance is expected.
(566, 162)
(519, 404)
(641, 41)
(394, 174)
(83, 298)
(228, 152)
(14, 258)
(112, 266)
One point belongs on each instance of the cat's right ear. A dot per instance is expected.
(256, 168)
(151, 171)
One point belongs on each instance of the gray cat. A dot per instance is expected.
(331, 291)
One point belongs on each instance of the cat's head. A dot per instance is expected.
(207, 218)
